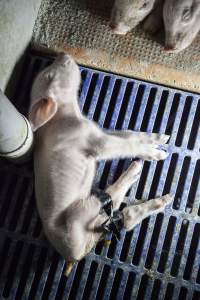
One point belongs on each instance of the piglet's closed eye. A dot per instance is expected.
(42, 112)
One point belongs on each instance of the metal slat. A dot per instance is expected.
(136, 286)
(195, 265)
(177, 121)
(7, 271)
(189, 295)
(197, 142)
(29, 215)
(83, 279)
(69, 283)
(176, 293)
(22, 213)
(106, 102)
(14, 201)
(18, 272)
(172, 249)
(166, 113)
(190, 121)
(154, 111)
(95, 96)
(57, 278)
(85, 88)
(149, 289)
(162, 291)
(187, 185)
(96, 282)
(149, 233)
(44, 276)
(177, 175)
(109, 284)
(160, 244)
(118, 104)
(122, 286)
(142, 109)
(130, 105)
(133, 244)
(3, 190)
(31, 274)
(196, 204)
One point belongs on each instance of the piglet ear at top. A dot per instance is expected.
(42, 112)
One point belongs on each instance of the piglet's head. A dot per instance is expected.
(182, 23)
(56, 85)
(126, 14)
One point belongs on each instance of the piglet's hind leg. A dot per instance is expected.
(134, 214)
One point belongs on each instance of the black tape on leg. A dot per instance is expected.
(115, 221)
(116, 224)
(106, 200)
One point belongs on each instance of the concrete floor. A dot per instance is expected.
(81, 28)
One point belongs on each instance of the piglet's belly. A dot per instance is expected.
(61, 184)
(75, 177)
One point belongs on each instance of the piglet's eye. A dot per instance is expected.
(186, 16)
(145, 4)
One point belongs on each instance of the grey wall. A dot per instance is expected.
(17, 18)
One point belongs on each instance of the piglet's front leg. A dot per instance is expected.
(132, 144)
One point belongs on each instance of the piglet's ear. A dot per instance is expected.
(42, 112)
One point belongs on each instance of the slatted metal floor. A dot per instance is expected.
(160, 258)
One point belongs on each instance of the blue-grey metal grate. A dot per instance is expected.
(160, 258)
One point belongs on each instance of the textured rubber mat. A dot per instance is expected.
(160, 258)
(81, 27)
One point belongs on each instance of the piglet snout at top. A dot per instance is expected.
(119, 28)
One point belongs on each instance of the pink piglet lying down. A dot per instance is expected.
(67, 148)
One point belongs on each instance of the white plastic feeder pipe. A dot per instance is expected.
(16, 137)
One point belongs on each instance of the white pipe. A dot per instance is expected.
(16, 137)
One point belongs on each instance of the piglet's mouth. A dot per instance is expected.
(119, 28)
(171, 49)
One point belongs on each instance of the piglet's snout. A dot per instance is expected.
(119, 28)
(169, 48)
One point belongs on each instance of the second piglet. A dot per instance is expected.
(182, 23)
(127, 14)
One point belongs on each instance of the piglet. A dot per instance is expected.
(127, 14)
(182, 23)
(67, 148)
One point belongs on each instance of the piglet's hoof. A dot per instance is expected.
(68, 268)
